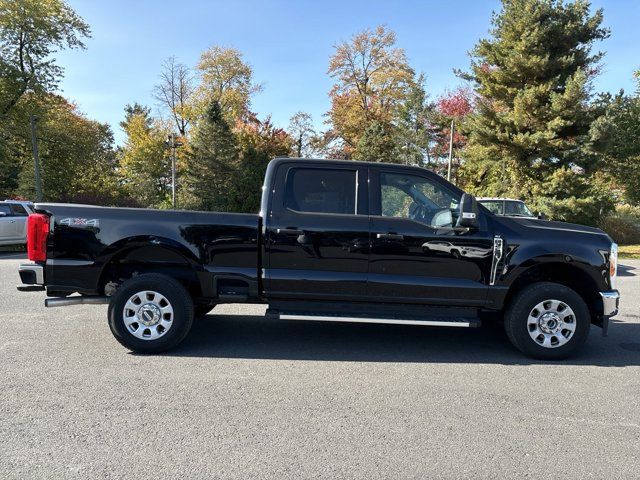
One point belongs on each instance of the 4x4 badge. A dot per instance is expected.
(80, 222)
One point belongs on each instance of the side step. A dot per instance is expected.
(396, 320)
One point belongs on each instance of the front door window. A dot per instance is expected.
(418, 198)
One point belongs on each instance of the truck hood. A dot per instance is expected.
(556, 226)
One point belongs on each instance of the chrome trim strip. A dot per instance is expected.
(390, 321)
(69, 263)
(498, 245)
(610, 301)
(28, 267)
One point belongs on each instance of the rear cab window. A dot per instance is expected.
(321, 190)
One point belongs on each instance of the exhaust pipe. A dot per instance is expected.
(80, 300)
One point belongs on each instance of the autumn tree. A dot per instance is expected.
(451, 110)
(175, 93)
(143, 160)
(259, 142)
(227, 79)
(31, 31)
(302, 133)
(372, 78)
(532, 79)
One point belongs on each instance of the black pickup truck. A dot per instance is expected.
(338, 241)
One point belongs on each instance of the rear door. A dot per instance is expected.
(20, 215)
(418, 254)
(317, 232)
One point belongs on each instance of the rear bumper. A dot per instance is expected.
(610, 301)
(31, 274)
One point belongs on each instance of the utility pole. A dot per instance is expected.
(36, 157)
(173, 170)
(450, 151)
(173, 144)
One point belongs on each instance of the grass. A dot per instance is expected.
(629, 251)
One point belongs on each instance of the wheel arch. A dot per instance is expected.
(570, 275)
(137, 255)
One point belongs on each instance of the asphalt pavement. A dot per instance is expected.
(245, 398)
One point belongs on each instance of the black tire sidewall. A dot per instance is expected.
(175, 293)
(518, 312)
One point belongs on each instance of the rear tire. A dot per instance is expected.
(150, 313)
(547, 321)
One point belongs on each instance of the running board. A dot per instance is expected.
(431, 322)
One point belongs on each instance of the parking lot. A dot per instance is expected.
(246, 398)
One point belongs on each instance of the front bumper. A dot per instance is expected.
(610, 301)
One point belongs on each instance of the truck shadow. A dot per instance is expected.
(253, 337)
(626, 271)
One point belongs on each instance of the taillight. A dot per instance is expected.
(613, 264)
(37, 232)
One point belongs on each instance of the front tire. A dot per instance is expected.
(547, 321)
(150, 313)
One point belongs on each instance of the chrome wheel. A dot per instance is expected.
(148, 315)
(551, 323)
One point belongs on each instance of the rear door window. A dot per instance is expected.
(19, 210)
(320, 190)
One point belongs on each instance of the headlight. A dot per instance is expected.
(613, 264)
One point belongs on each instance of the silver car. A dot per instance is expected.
(13, 222)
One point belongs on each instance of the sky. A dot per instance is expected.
(288, 45)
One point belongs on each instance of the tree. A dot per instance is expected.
(143, 161)
(616, 135)
(175, 91)
(302, 132)
(415, 126)
(451, 109)
(376, 145)
(532, 79)
(212, 159)
(259, 143)
(226, 79)
(372, 79)
(31, 31)
(76, 154)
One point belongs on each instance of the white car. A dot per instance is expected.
(13, 222)
(508, 207)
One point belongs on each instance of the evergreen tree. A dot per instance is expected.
(533, 78)
(212, 159)
(376, 145)
(616, 134)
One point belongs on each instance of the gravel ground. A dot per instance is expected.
(246, 398)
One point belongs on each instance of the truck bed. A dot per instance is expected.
(85, 240)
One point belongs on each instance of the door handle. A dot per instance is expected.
(390, 236)
(290, 231)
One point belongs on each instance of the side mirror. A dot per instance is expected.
(2, 214)
(468, 212)
(541, 216)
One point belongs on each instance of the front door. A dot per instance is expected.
(418, 254)
(8, 226)
(317, 233)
